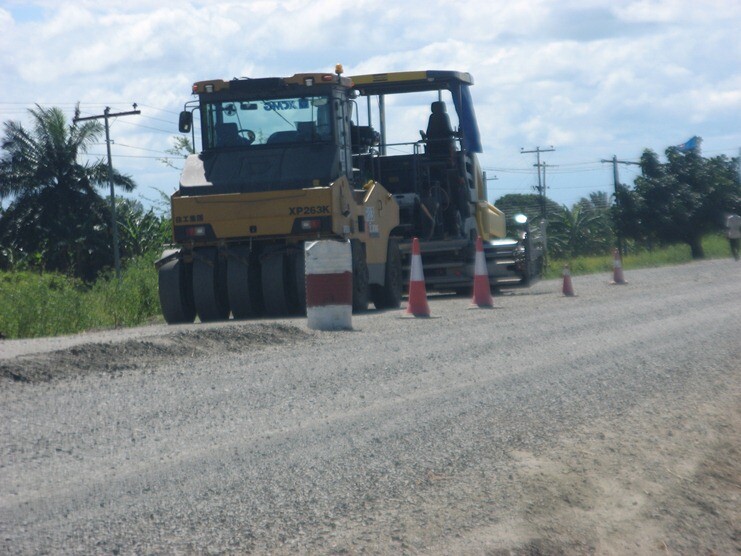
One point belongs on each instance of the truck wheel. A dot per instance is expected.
(209, 286)
(360, 287)
(274, 284)
(388, 296)
(176, 292)
(243, 283)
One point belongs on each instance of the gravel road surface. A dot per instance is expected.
(607, 423)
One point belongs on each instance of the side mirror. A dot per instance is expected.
(185, 123)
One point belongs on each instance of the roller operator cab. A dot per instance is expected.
(283, 161)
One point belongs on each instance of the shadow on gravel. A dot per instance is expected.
(116, 357)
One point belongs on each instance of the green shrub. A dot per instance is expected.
(715, 246)
(33, 305)
(41, 305)
(132, 301)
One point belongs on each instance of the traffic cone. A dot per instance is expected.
(481, 289)
(617, 268)
(417, 305)
(568, 287)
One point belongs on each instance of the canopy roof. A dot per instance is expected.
(410, 81)
(456, 82)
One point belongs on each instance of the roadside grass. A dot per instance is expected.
(715, 246)
(134, 301)
(34, 305)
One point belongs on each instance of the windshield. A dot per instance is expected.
(266, 122)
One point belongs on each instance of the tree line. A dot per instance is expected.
(56, 219)
(677, 201)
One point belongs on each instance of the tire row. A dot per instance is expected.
(238, 283)
(246, 284)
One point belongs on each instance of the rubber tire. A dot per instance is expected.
(209, 286)
(297, 293)
(274, 294)
(243, 283)
(360, 286)
(389, 295)
(175, 283)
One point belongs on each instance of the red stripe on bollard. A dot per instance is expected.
(328, 289)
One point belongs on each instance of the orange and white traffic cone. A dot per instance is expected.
(417, 305)
(481, 289)
(617, 268)
(568, 287)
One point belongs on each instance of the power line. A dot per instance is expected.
(22, 107)
(149, 127)
(158, 119)
(141, 148)
(160, 109)
(558, 171)
(98, 155)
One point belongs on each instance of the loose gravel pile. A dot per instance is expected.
(113, 356)
(604, 423)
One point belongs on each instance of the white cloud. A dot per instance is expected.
(677, 11)
(591, 77)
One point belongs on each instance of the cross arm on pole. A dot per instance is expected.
(106, 114)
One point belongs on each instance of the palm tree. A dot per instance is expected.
(602, 230)
(56, 216)
(576, 232)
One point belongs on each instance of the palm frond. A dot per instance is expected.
(98, 175)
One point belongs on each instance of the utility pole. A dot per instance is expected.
(541, 189)
(616, 180)
(486, 187)
(114, 222)
(541, 192)
(544, 196)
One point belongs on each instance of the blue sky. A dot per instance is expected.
(591, 78)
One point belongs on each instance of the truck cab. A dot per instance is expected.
(269, 134)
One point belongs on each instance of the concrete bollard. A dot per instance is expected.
(328, 285)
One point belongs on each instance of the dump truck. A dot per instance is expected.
(286, 160)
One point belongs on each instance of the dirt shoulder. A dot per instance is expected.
(654, 483)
